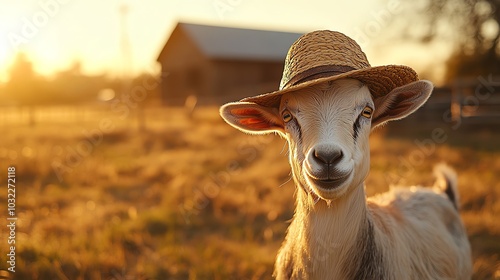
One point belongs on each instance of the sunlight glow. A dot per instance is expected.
(106, 94)
(55, 33)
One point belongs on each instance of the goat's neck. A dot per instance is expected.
(330, 231)
(340, 218)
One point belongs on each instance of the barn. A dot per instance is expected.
(217, 64)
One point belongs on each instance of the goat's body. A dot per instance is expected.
(337, 233)
(406, 233)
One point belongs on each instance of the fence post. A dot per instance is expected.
(456, 101)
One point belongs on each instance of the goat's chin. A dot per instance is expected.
(330, 189)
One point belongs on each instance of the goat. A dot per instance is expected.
(336, 232)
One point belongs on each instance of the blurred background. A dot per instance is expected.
(124, 170)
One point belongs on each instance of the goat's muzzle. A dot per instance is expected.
(322, 166)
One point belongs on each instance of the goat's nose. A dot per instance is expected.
(327, 155)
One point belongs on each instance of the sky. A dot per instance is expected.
(57, 33)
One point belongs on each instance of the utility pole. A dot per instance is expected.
(125, 42)
(127, 75)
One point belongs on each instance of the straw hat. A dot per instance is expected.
(325, 55)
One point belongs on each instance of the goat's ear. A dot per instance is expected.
(252, 118)
(401, 102)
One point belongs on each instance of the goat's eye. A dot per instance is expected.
(287, 116)
(367, 112)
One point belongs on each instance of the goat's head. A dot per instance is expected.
(327, 127)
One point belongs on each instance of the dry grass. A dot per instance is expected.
(195, 199)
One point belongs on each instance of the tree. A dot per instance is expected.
(471, 25)
(23, 86)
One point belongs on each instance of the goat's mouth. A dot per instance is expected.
(329, 183)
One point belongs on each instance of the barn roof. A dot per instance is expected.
(239, 43)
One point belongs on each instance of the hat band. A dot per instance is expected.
(316, 73)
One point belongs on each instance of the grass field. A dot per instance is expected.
(192, 198)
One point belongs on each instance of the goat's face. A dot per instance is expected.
(327, 127)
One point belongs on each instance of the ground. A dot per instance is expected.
(189, 197)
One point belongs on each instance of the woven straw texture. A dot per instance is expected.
(322, 56)
(320, 48)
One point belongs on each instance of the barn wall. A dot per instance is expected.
(185, 70)
(236, 79)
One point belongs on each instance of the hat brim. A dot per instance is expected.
(380, 80)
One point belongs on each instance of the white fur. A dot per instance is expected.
(337, 233)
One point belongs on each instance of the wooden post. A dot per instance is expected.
(456, 102)
(31, 115)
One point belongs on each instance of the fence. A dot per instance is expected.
(13, 115)
(476, 100)
(469, 101)
(140, 117)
